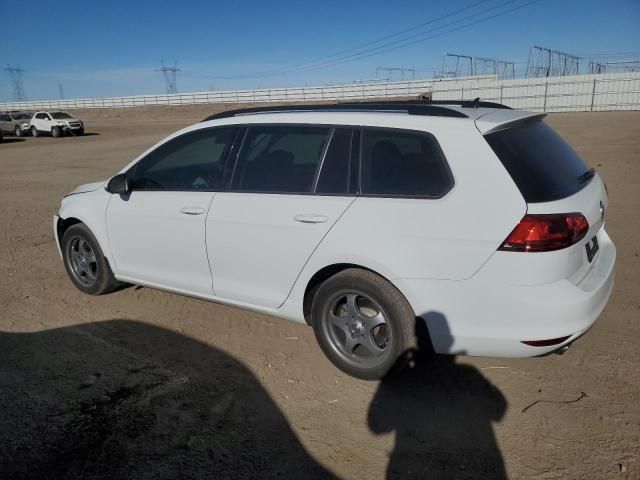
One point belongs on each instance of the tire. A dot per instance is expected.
(80, 132)
(56, 132)
(18, 131)
(363, 324)
(34, 131)
(85, 263)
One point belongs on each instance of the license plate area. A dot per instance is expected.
(592, 248)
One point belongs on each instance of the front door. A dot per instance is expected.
(157, 232)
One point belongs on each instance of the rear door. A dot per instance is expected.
(289, 187)
(157, 232)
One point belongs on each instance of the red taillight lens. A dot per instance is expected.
(545, 233)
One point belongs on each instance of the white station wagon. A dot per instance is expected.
(361, 220)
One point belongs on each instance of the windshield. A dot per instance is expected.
(543, 166)
(21, 116)
(60, 115)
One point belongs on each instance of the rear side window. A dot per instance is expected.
(280, 159)
(334, 174)
(542, 165)
(403, 163)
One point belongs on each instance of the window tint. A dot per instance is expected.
(281, 159)
(192, 161)
(5, 118)
(541, 164)
(60, 115)
(334, 173)
(41, 116)
(403, 163)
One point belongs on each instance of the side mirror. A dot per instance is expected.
(119, 184)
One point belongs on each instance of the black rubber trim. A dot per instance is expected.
(411, 108)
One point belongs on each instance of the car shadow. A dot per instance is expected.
(442, 414)
(123, 399)
(12, 140)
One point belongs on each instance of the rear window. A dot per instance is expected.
(542, 165)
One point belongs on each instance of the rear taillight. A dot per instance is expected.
(545, 233)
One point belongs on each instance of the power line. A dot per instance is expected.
(401, 43)
(438, 34)
(352, 49)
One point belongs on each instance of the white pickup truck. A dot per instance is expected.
(56, 124)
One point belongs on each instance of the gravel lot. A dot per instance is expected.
(146, 384)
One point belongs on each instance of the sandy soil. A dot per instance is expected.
(146, 384)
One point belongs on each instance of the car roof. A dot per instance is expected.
(486, 116)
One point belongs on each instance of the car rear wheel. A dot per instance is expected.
(56, 132)
(34, 131)
(363, 323)
(86, 266)
(18, 131)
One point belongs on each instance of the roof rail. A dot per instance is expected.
(477, 103)
(410, 107)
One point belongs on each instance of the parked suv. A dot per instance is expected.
(56, 124)
(367, 222)
(15, 123)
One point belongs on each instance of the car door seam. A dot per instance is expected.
(314, 251)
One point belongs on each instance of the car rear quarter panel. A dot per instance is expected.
(448, 238)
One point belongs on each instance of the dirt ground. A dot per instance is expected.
(146, 384)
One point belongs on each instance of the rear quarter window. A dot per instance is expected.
(403, 163)
(542, 165)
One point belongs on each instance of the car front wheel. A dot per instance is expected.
(56, 132)
(86, 266)
(363, 324)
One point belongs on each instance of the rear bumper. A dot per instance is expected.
(484, 316)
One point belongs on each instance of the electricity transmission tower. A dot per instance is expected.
(390, 70)
(16, 80)
(595, 67)
(169, 74)
(454, 65)
(61, 91)
(544, 62)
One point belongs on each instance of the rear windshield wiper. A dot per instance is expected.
(586, 176)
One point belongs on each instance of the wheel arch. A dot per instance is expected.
(327, 272)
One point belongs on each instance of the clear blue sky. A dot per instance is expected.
(107, 48)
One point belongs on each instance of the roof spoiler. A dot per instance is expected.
(501, 120)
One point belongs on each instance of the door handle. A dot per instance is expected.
(192, 210)
(310, 218)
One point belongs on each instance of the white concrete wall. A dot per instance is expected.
(617, 91)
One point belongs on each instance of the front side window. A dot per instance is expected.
(402, 163)
(282, 159)
(193, 161)
(61, 115)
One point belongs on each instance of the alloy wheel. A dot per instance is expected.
(82, 260)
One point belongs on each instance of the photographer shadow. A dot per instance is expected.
(123, 399)
(441, 413)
